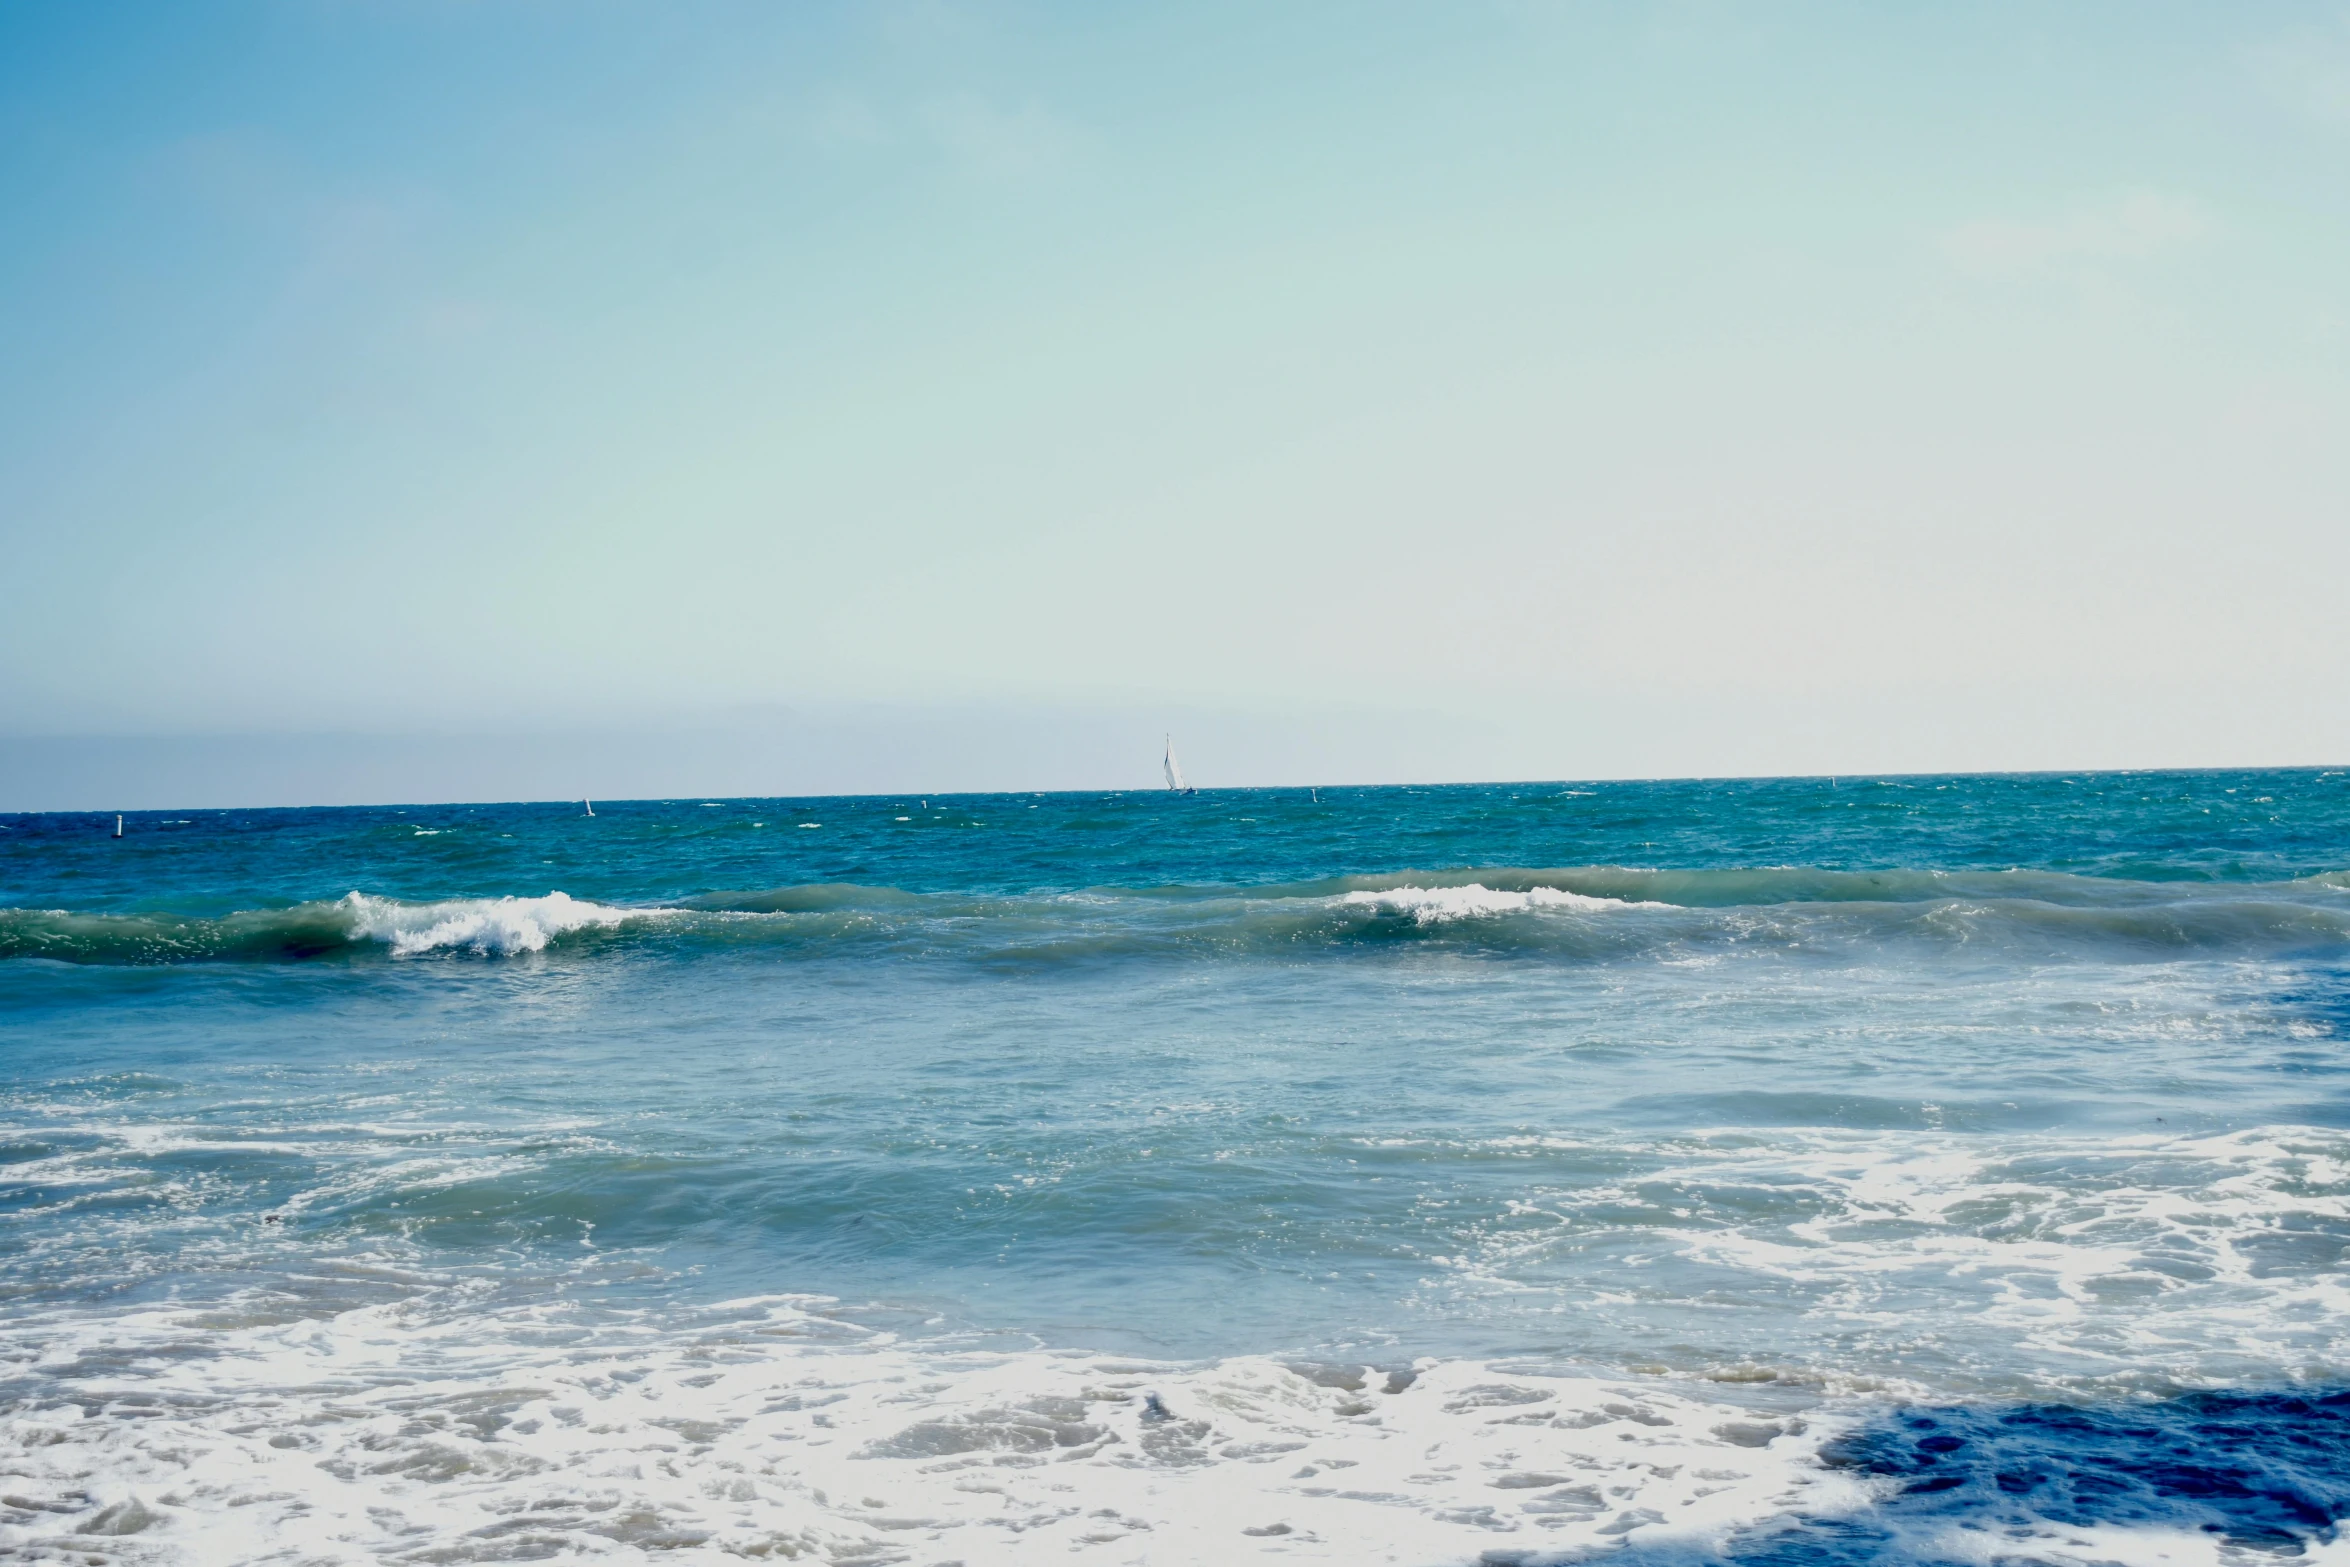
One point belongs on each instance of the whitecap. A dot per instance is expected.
(1439, 905)
(490, 927)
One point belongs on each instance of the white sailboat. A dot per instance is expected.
(591, 806)
(1174, 770)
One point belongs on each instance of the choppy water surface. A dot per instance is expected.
(1946, 1169)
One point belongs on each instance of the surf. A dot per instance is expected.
(1590, 913)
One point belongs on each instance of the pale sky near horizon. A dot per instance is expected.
(1666, 387)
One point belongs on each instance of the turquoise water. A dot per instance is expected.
(1816, 1104)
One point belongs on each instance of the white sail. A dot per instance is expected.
(1172, 768)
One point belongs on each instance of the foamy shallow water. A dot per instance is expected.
(770, 1430)
(369, 1436)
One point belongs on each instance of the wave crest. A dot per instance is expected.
(357, 922)
(1442, 905)
(488, 927)
(1583, 914)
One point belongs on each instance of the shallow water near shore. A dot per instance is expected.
(1922, 1169)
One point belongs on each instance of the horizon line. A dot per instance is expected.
(2320, 768)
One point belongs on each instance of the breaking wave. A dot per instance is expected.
(485, 927)
(490, 927)
(1593, 913)
(1440, 905)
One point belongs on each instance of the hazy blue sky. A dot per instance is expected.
(1642, 388)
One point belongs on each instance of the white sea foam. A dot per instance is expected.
(2029, 1266)
(768, 1430)
(773, 1430)
(491, 927)
(441, 1429)
(1440, 905)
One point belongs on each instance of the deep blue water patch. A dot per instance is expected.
(2267, 1470)
(2267, 1473)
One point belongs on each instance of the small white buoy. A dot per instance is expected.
(118, 826)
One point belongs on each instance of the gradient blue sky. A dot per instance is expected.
(1642, 388)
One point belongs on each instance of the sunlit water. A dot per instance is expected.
(1918, 1170)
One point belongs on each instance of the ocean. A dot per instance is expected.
(1916, 1170)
